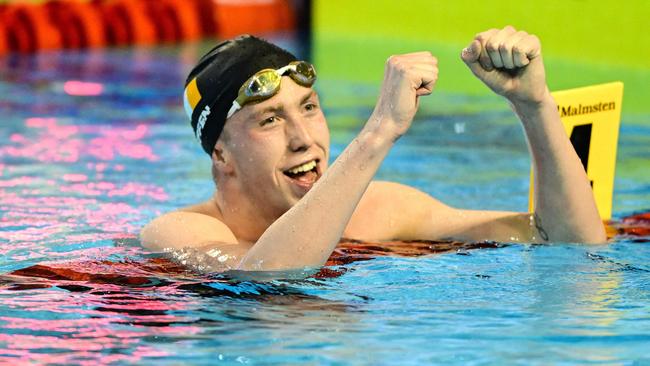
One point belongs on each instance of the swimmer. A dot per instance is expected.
(278, 206)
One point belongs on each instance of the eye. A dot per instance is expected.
(310, 107)
(268, 120)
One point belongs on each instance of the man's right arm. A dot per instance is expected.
(306, 235)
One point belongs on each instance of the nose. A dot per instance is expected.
(300, 138)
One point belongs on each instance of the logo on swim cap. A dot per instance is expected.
(202, 119)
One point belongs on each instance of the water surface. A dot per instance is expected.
(96, 144)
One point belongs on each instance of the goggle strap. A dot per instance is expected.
(284, 69)
(235, 107)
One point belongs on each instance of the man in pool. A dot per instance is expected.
(278, 206)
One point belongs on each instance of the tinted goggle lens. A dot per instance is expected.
(265, 83)
(262, 85)
(304, 73)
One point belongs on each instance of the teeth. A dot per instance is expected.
(303, 168)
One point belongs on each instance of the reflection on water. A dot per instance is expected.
(95, 144)
(161, 300)
(83, 310)
(136, 308)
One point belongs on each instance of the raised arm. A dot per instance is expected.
(306, 235)
(510, 63)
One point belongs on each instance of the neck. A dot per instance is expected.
(245, 220)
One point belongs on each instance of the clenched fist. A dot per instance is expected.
(510, 63)
(406, 78)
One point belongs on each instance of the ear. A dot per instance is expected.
(221, 159)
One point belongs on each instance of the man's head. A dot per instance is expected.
(213, 84)
(263, 129)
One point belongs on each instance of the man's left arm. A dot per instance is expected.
(418, 216)
(510, 63)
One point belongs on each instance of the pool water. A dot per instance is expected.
(95, 144)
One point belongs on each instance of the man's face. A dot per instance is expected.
(278, 147)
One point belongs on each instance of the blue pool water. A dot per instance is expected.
(95, 144)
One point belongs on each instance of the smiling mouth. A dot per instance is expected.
(304, 174)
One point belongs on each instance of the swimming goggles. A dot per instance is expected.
(266, 83)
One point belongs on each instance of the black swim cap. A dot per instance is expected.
(213, 84)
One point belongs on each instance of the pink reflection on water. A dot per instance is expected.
(20, 348)
(75, 177)
(105, 148)
(63, 143)
(106, 310)
(98, 167)
(123, 142)
(16, 182)
(138, 189)
(111, 190)
(83, 88)
(102, 312)
(70, 214)
(63, 200)
(35, 204)
(55, 144)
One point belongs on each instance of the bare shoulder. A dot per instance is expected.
(208, 208)
(181, 229)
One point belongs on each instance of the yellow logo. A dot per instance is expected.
(191, 97)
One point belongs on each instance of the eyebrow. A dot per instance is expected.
(273, 108)
(308, 96)
(279, 108)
